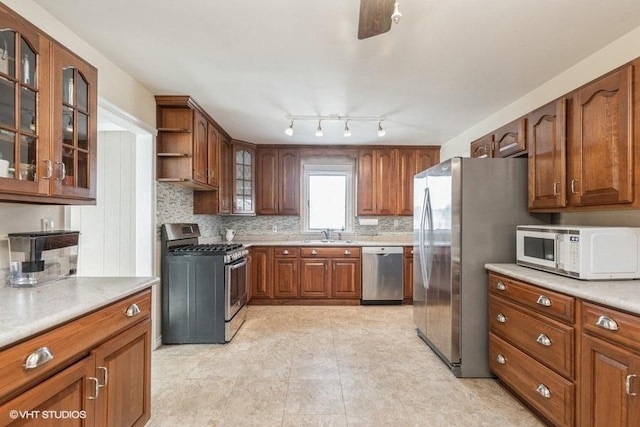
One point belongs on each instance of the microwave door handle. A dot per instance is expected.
(556, 250)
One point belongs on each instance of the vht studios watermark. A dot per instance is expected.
(47, 415)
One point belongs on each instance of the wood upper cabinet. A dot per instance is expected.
(483, 147)
(510, 139)
(600, 141)
(377, 181)
(547, 156)
(213, 149)
(410, 162)
(243, 172)
(278, 181)
(185, 133)
(48, 118)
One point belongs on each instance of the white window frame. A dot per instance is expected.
(333, 166)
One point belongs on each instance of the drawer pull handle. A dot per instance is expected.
(544, 340)
(96, 388)
(105, 376)
(544, 301)
(627, 384)
(544, 391)
(607, 323)
(285, 252)
(38, 358)
(501, 318)
(133, 310)
(501, 286)
(347, 252)
(501, 359)
(314, 252)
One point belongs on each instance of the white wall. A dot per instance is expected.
(612, 56)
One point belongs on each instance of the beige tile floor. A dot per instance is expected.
(322, 366)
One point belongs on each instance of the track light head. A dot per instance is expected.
(347, 131)
(319, 129)
(381, 131)
(289, 130)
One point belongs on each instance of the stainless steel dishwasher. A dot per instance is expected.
(382, 275)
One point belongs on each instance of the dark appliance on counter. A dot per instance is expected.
(42, 256)
(204, 287)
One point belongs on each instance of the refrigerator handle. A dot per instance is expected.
(421, 249)
(430, 241)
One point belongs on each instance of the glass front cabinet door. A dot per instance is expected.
(73, 168)
(24, 56)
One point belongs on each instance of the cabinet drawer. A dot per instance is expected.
(548, 341)
(597, 320)
(286, 252)
(344, 252)
(67, 342)
(544, 301)
(531, 380)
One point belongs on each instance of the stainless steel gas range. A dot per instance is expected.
(204, 287)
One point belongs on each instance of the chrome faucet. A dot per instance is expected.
(326, 233)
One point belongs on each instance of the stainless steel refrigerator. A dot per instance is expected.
(465, 215)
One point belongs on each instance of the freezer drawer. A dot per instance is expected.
(382, 275)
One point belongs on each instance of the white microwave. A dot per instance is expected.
(582, 252)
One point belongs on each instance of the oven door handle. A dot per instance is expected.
(239, 264)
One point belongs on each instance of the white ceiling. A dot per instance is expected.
(446, 66)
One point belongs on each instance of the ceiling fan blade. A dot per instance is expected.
(375, 17)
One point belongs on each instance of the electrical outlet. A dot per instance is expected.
(396, 223)
(274, 228)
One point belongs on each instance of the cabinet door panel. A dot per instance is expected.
(605, 369)
(66, 391)
(123, 367)
(262, 275)
(346, 278)
(510, 139)
(601, 142)
(267, 182)
(213, 166)
(224, 180)
(285, 278)
(481, 148)
(406, 170)
(386, 181)
(289, 186)
(366, 182)
(314, 278)
(200, 142)
(547, 159)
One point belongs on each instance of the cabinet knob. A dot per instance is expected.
(607, 323)
(543, 391)
(133, 310)
(544, 340)
(501, 318)
(501, 286)
(285, 252)
(544, 301)
(38, 358)
(347, 252)
(627, 384)
(501, 359)
(314, 252)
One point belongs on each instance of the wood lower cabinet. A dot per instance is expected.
(531, 351)
(306, 275)
(610, 394)
(286, 272)
(100, 372)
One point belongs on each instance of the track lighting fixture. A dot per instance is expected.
(345, 119)
(289, 130)
(347, 131)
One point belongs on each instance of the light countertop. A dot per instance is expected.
(311, 242)
(28, 311)
(620, 294)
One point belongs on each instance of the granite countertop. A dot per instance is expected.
(620, 294)
(297, 241)
(28, 311)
